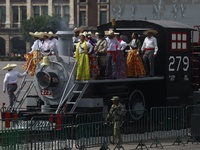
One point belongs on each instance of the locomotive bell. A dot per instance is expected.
(45, 61)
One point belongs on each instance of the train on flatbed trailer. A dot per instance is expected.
(174, 84)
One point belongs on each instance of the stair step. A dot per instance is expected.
(71, 102)
(78, 92)
(29, 80)
(23, 90)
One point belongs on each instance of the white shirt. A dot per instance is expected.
(36, 46)
(81, 48)
(47, 45)
(112, 44)
(55, 42)
(12, 77)
(150, 43)
(75, 40)
(123, 45)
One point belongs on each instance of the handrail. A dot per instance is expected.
(65, 90)
(21, 86)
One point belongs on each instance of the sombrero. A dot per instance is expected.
(114, 98)
(9, 66)
(96, 33)
(78, 29)
(82, 34)
(36, 34)
(150, 31)
(110, 32)
(106, 32)
(51, 34)
(46, 34)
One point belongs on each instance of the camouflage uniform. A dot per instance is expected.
(115, 116)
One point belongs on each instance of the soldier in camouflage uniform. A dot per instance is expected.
(115, 115)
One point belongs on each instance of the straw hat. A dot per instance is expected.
(45, 34)
(51, 34)
(78, 29)
(89, 33)
(82, 34)
(110, 32)
(150, 31)
(36, 34)
(85, 33)
(106, 32)
(114, 98)
(96, 33)
(9, 66)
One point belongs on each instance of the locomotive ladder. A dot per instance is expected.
(73, 96)
(18, 103)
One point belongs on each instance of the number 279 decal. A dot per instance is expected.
(178, 63)
(45, 92)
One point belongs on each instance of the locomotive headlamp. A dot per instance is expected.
(47, 79)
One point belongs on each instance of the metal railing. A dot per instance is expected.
(89, 130)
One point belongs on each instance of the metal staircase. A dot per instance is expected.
(78, 91)
(19, 102)
(73, 96)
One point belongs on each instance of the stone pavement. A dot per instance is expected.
(167, 145)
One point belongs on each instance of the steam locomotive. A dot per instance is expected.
(174, 82)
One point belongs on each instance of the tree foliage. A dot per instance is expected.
(42, 23)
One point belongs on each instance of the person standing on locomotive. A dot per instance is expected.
(101, 51)
(82, 58)
(47, 44)
(34, 53)
(120, 60)
(52, 38)
(111, 54)
(94, 69)
(135, 67)
(76, 37)
(149, 49)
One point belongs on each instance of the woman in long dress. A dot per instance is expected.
(34, 56)
(135, 67)
(83, 66)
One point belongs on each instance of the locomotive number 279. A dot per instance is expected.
(175, 63)
(45, 92)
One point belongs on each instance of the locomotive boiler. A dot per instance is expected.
(56, 87)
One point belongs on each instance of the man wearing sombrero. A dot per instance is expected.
(149, 49)
(76, 37)
(54, 40)
(10, 82)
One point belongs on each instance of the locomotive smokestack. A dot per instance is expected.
(65, 44)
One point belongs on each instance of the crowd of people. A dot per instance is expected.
(104, 57)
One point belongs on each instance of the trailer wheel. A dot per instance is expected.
(136, 104)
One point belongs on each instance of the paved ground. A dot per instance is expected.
(167, 145)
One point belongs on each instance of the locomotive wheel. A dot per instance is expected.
(136, 104)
